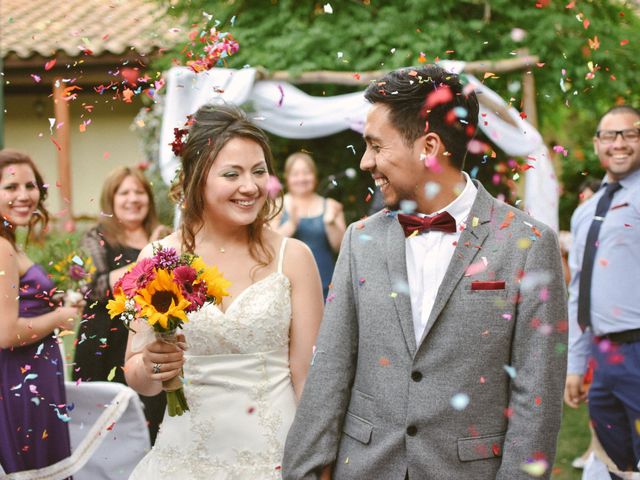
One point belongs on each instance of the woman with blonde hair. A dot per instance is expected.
(317, 221)
(127, 222)
(246, 359)
(33, 411)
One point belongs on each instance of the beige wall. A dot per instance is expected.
(108, 135)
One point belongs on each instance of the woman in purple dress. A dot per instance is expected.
(33, 413)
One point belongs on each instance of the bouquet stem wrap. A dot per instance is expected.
(176, 401)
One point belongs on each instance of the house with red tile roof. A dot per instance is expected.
(73, 75)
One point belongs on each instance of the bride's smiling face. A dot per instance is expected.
(236, 186)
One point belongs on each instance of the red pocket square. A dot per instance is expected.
(499, 285)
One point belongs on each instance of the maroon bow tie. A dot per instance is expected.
(442, 222)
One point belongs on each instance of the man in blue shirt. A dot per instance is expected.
(604, 294)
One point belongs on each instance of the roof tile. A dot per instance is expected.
(43, 27)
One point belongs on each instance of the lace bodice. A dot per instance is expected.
(257, 321)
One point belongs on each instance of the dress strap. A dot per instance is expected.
(281, 254)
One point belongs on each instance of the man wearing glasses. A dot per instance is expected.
(604, 299)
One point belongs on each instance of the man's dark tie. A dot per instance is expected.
(590, 249)
(442, 222)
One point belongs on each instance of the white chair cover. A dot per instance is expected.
(109, 435)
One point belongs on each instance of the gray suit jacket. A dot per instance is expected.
(377, 405)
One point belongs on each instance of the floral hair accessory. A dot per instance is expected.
(180, 136)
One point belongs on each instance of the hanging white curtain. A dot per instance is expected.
(284, 110)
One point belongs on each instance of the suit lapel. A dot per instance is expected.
(468, 247)
(397, 267)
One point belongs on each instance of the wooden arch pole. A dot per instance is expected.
(62, 137)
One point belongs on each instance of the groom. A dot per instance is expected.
(441, 354)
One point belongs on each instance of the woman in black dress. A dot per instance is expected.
(127, 222)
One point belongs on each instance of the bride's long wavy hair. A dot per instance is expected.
(212, 127)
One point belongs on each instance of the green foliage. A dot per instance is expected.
(53, 246)
(577, 79)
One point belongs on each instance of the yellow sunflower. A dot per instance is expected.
(162, 302)
(216, 284)
(118, 305)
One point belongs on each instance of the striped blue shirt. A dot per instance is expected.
(615, 287)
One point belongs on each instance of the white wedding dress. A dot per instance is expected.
(239, 391)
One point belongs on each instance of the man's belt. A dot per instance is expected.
(628, 336)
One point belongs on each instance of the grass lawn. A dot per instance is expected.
(574, 439)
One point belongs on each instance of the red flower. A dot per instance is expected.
(196, 293)
(177, 145)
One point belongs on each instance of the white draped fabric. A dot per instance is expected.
(284, 110)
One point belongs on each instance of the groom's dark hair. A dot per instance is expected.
(429, 99)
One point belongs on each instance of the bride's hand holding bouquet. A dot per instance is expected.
(160, 291)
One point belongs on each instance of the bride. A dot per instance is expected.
(245, 360)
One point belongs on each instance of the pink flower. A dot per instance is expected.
(139, 276)
(76, 272)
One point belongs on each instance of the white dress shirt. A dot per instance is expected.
(428, 256)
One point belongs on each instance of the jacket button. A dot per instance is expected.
(412, 430)
(416, 376)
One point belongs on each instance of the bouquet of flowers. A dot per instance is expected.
(161, 290)
(73, 274)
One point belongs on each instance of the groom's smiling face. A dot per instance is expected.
(394, 165)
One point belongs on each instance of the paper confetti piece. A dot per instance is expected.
(437, 97)
(510, 371)
(50, 64)
(62, 416)
(524, 243)
(400, 286)
(112, 374)
(560, 149)
(431, 189)
(508, 218)
(56, 144)
(476, 268)
(273, 186)
(460, 401)
(535, 469)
